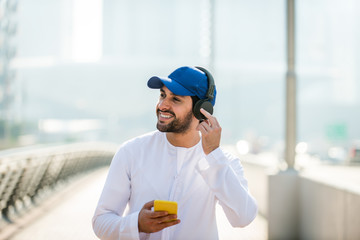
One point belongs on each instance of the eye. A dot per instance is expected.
(162, 95)
(176, 99)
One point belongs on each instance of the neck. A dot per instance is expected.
(186, 140)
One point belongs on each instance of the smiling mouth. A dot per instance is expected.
(165, 115)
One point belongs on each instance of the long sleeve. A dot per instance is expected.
(224, 175)
(108, 222)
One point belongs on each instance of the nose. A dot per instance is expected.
(163, 104)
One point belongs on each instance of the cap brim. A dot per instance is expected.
(155, 83)
(173, 86)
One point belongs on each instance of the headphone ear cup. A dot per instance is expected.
(202, 104)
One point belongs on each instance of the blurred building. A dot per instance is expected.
(90, 60)
(9, 122)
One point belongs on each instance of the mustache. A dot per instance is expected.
(166, 111)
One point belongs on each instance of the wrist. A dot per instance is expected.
(209, 150)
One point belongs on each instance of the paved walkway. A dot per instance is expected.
(67, 215)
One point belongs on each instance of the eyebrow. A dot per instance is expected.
(171, 93)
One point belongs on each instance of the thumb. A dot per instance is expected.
(149, 205)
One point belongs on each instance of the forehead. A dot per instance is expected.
(167, 91)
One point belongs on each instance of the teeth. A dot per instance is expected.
(165, 116)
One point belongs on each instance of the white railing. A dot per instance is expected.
(27, 175)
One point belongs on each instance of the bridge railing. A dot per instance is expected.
(27, 176)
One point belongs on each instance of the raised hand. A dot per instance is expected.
(210, 131)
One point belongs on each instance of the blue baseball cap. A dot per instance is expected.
(184, 81)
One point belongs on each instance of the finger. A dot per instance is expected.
(158, 214)
(160, 226)
(168, 218)
(207, 122)
(209, 117)
(206, 126)
(149, 205)
(201, 128)
(213, 121)
(206, 113)
(169, 224)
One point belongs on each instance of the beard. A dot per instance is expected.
(177, 125)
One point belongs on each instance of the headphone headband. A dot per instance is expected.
(211, 83)
(205, 103)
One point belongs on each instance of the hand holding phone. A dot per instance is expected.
(167, 206)
(163, 216)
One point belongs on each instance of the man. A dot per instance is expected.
(181, 162)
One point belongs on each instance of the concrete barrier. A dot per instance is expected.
(327, 204)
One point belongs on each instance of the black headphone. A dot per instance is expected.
(205, 103)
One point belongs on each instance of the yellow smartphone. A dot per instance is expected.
(163, 205)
